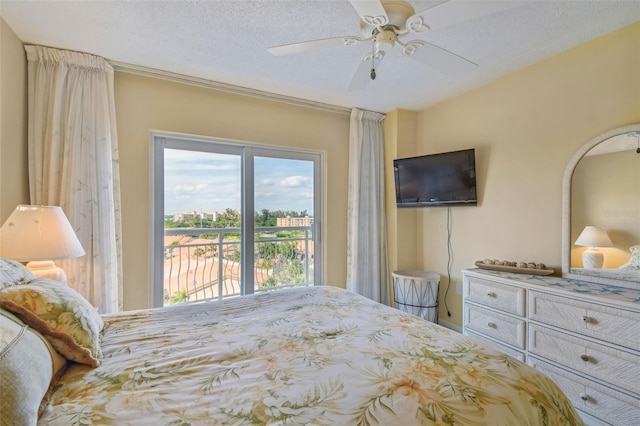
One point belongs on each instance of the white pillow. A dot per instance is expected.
(28, 364)
(13, 273)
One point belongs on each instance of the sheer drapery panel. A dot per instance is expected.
(367, 270)
(73, 163)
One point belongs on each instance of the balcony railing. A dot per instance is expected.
(203, 264)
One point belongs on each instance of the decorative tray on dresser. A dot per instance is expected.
(585, 336)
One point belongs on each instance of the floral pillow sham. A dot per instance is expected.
(62, 315)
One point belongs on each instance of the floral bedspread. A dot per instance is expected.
(317, 355)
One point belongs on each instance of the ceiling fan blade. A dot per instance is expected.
(307, 46)
(438, 58)
(371, 12)
(453, 12)
(362, 76)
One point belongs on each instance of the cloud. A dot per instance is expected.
(190, 188)
(294, 181)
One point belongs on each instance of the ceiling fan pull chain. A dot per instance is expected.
(373, 61)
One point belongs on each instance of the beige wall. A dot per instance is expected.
(605, 191)
(399, 141)
(403, 242)
(14, 177)
(525, 128)
(144, 103)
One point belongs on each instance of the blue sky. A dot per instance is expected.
(211, 182)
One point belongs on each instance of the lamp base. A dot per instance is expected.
(592, 258)
(47, 269)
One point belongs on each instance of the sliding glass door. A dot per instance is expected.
(215, 199)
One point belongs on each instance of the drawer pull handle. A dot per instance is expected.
(585, 358)
(492, 325)
(584, 396)
(492, 295)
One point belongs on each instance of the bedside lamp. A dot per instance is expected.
(593, 237)
(39, 235)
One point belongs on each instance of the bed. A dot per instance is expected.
(313, 355)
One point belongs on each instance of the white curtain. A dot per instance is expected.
(367, 270)
(73, 163)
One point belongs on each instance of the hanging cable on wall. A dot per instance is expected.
(449, 258)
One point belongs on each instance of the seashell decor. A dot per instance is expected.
(528, 265)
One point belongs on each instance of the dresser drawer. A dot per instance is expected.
(496, 295)
(496, 345)
(613, 407)
(606, 363)
(611, 324)
(505, 328)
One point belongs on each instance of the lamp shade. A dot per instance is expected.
(38, 233)
(594, 236)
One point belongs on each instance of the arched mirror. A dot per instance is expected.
(601, 210)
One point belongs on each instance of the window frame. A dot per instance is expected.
(247, 152)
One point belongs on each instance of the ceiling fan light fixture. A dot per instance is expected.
(385, 40)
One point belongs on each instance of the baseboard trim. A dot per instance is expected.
(450, 325)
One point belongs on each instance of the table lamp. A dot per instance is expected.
(39, 235)
(593, 237)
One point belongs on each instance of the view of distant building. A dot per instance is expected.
(294, 221)
(188, 216)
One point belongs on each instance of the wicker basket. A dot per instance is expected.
(416, 292)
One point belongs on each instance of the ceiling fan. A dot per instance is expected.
(386, 23)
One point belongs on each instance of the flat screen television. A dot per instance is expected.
(444, 179)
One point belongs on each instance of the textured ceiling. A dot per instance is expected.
(226, 41)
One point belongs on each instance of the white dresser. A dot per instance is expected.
(585, 336)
